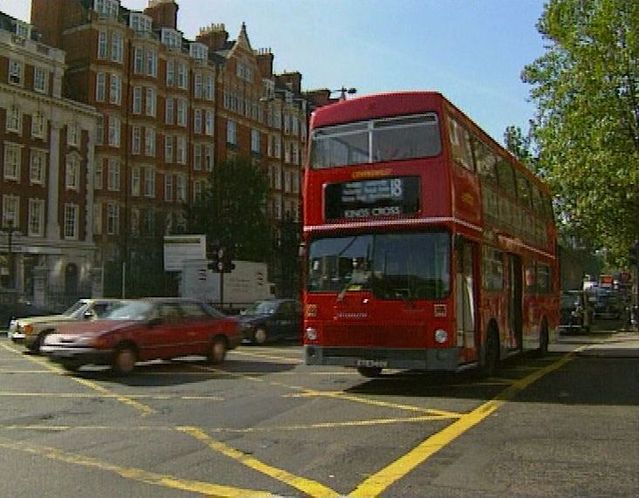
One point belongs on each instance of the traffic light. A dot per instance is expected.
(227, 260)
(213, 253)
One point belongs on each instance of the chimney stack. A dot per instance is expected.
(163, 13)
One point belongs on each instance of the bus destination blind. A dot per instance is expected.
(397, 196)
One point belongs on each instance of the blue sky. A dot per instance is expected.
(472, 51)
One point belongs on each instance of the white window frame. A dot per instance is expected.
(12, 161)
(113, 218)
(149, 142)
(113, 175)
(37, 166)
(115, 89)
(149, 181)
(98, 182)
(114, 131)
(38, 125)
(14, 119)
(40, 79)
(150, 100)
(136, 177)
(100, 87)
(137, 100)
(35, 221)
(168, 187)
(72, 172)
(16, 72)
(71, 221)
(10, 210)
(136, 140)
(231, 132)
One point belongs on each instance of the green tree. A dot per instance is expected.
(587, 125)
(519, 145)
(232, 209)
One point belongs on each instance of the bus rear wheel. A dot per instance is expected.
(370, 372)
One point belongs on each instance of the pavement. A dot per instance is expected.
(605, 340)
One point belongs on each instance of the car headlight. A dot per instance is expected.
(441, 336)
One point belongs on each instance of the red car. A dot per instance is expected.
(142, 330)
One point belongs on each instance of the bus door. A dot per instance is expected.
(515, 303)
(466, 296)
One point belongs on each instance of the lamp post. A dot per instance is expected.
(9, 229)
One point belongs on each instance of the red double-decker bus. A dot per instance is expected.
(427, 245)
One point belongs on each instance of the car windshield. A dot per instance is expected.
(392, 265)
(135, 310)
(261, 308)
(77, 309)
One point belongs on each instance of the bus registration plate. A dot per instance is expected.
(372, 363)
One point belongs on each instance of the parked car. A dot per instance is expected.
(272, 319)
(142, 330)
(608, 304)
(31, 331)
(22, 307)
(576, 312)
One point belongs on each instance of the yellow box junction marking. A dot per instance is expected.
(307, 486)
(381, 480)
(164, 480)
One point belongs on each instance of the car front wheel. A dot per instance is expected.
(124, 360)
(260, 336)
(217, 351)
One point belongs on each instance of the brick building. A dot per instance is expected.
(171, 109)
(46, 149)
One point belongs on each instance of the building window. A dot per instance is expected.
(197, 157)
(138, 60)
(182, 76)
(255, 141)
(208, 128)
(180, 193)
(149, 182)
(71, 212)
(38, 125)
(136, 140)
(113, 175)
(40, 79)
(197, 121)
(10, 210)
(208, 158)
(115, 90)
(197, 190)
(135, 181)
(102, 44)
(231, 132)
(199, 51)
(114, 131)
(98, 176)
(168, 187)
(14, 119)
(15, 72)
(12, 160)
(151, 63)
(170, 73)
(135, 221)
(117, 45)
(168, 149)
(100, 87)
(181, 112)
(137, 100)
(171, 38)
(72, 176)
(140, 23)
(36, 218)
(180, 150)
(37, 167)
(149, 102)
(73, 134)
(97, 218)
(169, 111)
(107, 8)
(149, 142)
(99, 131)
(23, 29)
(113, 218)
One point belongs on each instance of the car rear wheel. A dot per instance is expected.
(70, 366)
(370, 372)
(260, 336)
(124, 360)
(217, 351)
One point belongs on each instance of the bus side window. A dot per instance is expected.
(460, 144)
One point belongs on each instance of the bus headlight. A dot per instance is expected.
(441, 336)
(311, 333)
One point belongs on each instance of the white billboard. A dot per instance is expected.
(181, 248)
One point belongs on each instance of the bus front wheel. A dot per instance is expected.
(370, 372)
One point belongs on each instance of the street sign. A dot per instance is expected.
(179, 248)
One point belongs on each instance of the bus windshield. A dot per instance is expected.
(391, 266)
(378, 140)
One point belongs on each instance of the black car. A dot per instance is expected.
(576, 312)
(272, 319)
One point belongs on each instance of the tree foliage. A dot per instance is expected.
(231, 209)
(587, 125)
